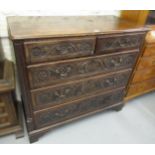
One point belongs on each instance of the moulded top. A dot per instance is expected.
(26, 27)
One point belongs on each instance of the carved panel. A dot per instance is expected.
(77, 108)
(40, 51)
(59, 72)
(119, 42)
(66, 92)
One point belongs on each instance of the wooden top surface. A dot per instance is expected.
(150, 37)
(25, 27)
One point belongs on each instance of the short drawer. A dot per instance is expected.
(58, 49)
(149, 50)
(74, 90)
(144, 74)
(146, 62)
(74, 109)
(117, 43)
(141, 87)
(53, 73)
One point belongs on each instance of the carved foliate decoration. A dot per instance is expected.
(121, 42)
(50, 74)
(60, 94)
(55, 50)
(81, 107)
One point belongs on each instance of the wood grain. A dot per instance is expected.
(63, 71)
(144, 74)
(121, 42)
(135, 16)
(24, 27)
(149, 50)
(79, 107)
(58, 49)
(95, 77)
(146, 62)
(141, 88)
(61, 93)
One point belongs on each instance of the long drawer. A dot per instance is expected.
(141, 88)
(58, 49)
(117, 43)
(74, 109)
(144, 74)
(146, 62)
(58, 72)
(59, 94)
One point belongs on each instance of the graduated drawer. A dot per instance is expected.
(58, 49)
(73, 90)
(146, 62)
(144, 74)
(149, 50)
(118, 42)
(53, 73)
(141, 87)
(78, 108)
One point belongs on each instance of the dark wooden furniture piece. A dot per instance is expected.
(10, 117)
(71, 67)
(150, 20)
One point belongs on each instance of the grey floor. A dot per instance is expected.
(134, 124)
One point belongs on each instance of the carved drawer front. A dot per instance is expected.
(76, 89)
(141, 87)
(149, 50)
(41, 51)
(106, 44)
(52, 73)
(74, 109)
(144, 74)
(146, 62)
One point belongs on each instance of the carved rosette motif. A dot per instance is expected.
(64, 93)
(42, 76)
(54, 50)
(78, 108)
(121, 42)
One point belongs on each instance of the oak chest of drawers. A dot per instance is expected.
(71, 67)
(143, 78)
